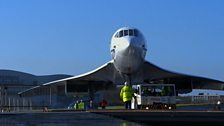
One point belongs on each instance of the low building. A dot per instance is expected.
(12, 82)
(212, 99)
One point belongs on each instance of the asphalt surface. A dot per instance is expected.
(61, 119)
(168, 117)
(183, 116)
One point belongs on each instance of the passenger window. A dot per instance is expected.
(125, 32)
(135, 32)
(131, 32)
(121, 34)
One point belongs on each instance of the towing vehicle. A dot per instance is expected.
(154, 96)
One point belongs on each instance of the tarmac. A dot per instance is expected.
(193, 116)
(166, 117)
(67, 118)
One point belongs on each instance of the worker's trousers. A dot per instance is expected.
(127, 105)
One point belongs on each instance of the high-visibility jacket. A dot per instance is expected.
(81, 105)
(126, 93)
(76, 106)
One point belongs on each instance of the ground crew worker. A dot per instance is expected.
(81, 105)
(126, 94)
(91, 104)
(103, 104)
(76, 107)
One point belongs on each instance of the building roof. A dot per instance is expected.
(11, 77)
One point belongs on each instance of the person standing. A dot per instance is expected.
(103, 104)
(126, 95)
(91, 104)
(76, 107)
(81, 105)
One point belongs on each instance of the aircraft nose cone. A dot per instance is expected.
(129, 46)
(130, 42)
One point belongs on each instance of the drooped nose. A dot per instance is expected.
(129, 46)
(129, 42)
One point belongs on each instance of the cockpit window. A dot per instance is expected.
(125, 32)
(129, 32)
(121, 34)
(135, 32)
(116, 35)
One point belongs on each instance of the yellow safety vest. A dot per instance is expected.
(75, 106)
(81, 105)
(126, 93)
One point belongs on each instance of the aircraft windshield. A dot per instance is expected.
(129, 32)
(157, 90)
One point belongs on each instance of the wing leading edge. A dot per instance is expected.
(184, 83)
(100, 78)
(106, 75)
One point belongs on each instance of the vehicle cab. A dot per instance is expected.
(154, 96)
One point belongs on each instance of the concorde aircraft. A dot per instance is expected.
(128, 49)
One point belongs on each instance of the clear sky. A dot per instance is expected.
(44, 37)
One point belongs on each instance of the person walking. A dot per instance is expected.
(126, 95)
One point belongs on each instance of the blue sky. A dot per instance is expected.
(72, 37)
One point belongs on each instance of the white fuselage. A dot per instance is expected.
(128, 49)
